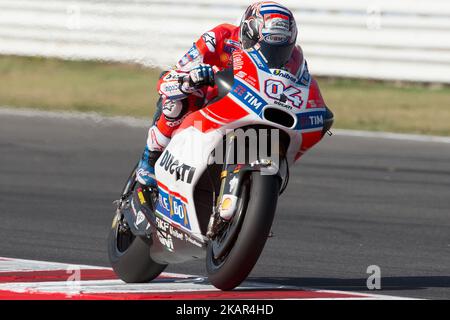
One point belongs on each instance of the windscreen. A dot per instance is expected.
(276, 56)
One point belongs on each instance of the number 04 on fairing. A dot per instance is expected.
(215, 205)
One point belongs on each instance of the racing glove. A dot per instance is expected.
(202, 75)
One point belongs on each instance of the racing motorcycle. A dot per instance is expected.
(208, 204)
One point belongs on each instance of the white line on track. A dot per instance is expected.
(19, 276)
(391, 136)
(143, 123)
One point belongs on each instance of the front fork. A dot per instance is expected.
(232, 176)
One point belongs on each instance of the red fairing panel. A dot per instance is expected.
(214, 116)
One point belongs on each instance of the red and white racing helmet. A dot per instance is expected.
(270, 28)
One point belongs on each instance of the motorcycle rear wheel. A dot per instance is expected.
(129, 255)
(255, 222)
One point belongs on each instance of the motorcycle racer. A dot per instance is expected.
(190, 85)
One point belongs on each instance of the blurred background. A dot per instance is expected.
(382, 65)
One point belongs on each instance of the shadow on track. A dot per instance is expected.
(387, 283)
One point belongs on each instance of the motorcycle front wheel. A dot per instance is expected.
(246, 235)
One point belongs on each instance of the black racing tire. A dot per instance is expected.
(134, 264)
(254, 231)
(129, 255)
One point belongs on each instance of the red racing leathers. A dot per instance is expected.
(215, 48)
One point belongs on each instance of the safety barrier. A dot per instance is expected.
(381, 39)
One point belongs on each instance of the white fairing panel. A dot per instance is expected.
(189, 151)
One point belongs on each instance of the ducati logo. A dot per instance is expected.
(183, 171)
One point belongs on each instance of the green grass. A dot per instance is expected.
(51, 84)
(122, 89)
(385, 106)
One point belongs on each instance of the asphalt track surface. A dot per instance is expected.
(352, 202)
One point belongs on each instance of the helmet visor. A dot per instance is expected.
(276, 55)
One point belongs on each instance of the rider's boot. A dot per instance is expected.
(145, 172)
(156, 143)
